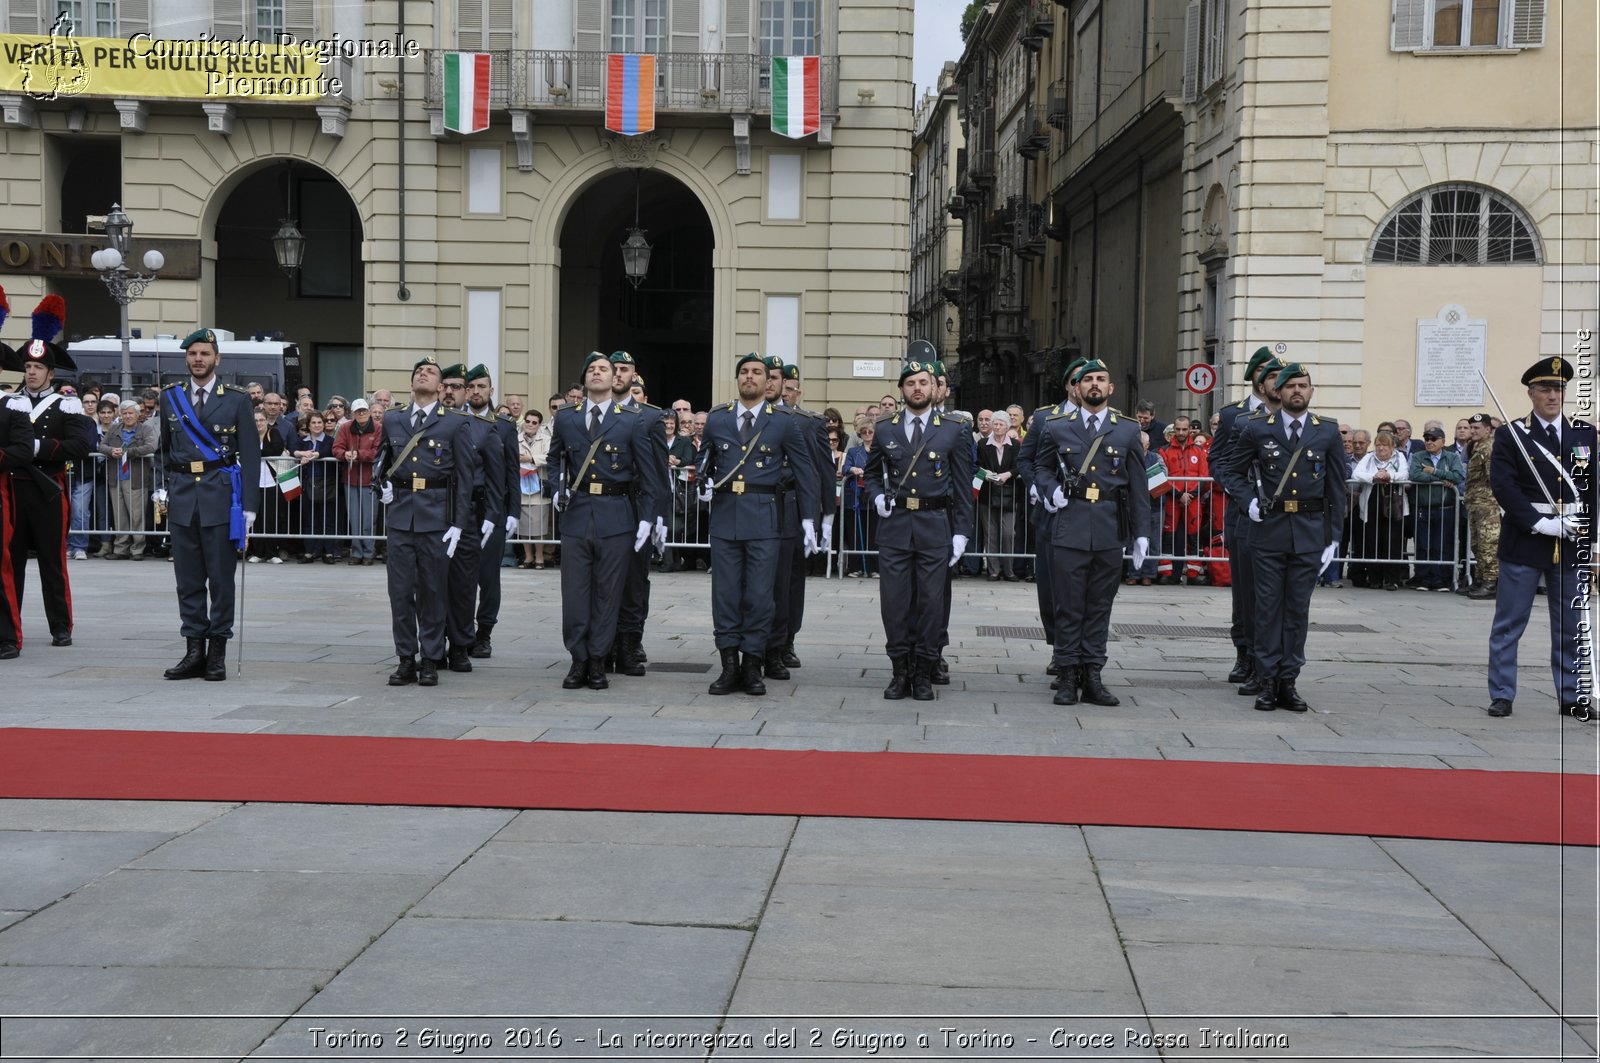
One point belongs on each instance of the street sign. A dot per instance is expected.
(1200, 378)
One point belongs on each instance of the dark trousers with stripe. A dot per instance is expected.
(914, 595)
(40, 524)
(635, 593)
(489, 580)
(1086, 583)
(788, 592)
(10, 601)
(593, 572)
(204, 563)
(417, 572)
(1283, 584)
(461, 616)
(1242, 574)
(743, 572)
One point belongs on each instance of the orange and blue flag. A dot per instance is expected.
(630, 94)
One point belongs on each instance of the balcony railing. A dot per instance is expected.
(1027, 228)
(1033, 136)
(686, 82)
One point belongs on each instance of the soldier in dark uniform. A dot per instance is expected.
(211, 456)
(629, 649)
(1235, 522)
(789, 607)
(480, 403)
(603, 461)
(1289, 468)
(16, 455)
(1042, 519)
(426, 468)
(488, 503)
(941, 394)
(1543, 478)
(61, 434)
(746, 445)
(919, 479)
(1089, 468)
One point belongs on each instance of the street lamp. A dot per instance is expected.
(289, 246)
(636, 249)
(124, 286)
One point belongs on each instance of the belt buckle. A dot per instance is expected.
(596, 488)
(418, 483)
(913, 504)
(738, 487)
(1291, 507)
(1091, 494)
(197, 466)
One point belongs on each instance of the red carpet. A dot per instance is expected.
(1396, 802)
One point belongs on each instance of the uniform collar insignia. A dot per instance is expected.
(1272, 418)
(769, 407)
(936, 420)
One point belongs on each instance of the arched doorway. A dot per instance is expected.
(667, 321)
(91, 181)
(320, 307)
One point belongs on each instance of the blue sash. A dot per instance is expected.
(211, 450)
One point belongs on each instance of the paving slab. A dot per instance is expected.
(642, 828)
(38, 867)
(168, 817)
(938, 855)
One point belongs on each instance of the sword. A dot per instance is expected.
(244, 567)
(1527, 457)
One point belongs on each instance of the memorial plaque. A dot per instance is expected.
(1450, 354)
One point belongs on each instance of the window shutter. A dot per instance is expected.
(300, 19)
(1527, 23)
(1408, 28)
(685, 25)
(25, 17)
(499, 26)
(133, 16)
(588, 35)
(227, 19)
(1191, 52)
(736, 28)
(469, 25)
(739, 70)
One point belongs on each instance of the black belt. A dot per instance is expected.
(1300, 505)
(198, 467)
(596, 487)
(917, 504)
(419, 483)
(1095, 493)
(739, 487)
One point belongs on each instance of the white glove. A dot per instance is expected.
(1057, 501)
(1549, 526)
(1255, 510)
(36, 448)
(451, 537)
(560, 501)
(642, 536)
(387, 494)
(1328, 555)
(958, 546)
(1571, 527)
(704, 493)
(808, 532)
(249, 521)
(1141, 550)
(660, 534)
(487, 530)
(1033, 494)
(160, 496)
(827, 531)
(511, 526)
(885, 504)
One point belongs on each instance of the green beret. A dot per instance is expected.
(1072, 367)
(773, 361)
(426, 359)
(594, 356)
(791, 372)
(1289, 372)
(938, 367)
(1555, 370)
(454, 372)
(638, 382)
(913, 368)
(478, 372)
(1090, 365)
(747, 358)
(1262, 356)
(1270, 366)
(621, 358)
(199, 335)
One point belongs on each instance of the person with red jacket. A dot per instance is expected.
(1183, 527)
(356, 448)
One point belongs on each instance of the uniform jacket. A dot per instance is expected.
(654, 418)
(1438, 487)
(1261, 449)
(1118, 466)
(943, 471)
(445, 452)
(146, 439)
(1230, 422)
(631, 453)
(16, 438)
(230, 419)
(1028, 448)
(782, 439)
(505, 491)
(1516, 486)
(1479, 492)
(815, 429)
(64, 432)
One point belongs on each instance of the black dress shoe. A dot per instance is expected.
(193, 665)
(1242, 667)
(428, 673)
(1289, 698)
(405, 674)
(1578, 712)
(1500, 707)
(597, 674)
(9, 651)
(1251, 687)
(576, 675)
(772, 664)
(61, 638)
(1484, 591)
(789, 659)
(458, 659)
(481, 650)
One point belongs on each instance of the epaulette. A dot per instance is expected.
(1058, 416)
(813, 414)
(885, 418)
(567, 406)
(1042, 409)
(459, 410)
(71, 404)
(959, 417)
(174, 384)
(18, 401)
(647, 405)
(772, 408)
(507, 418)
(401, 406)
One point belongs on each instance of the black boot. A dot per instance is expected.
(1242, 667)
(938, 672)
(405, 674)
(630, 659)
(1289, 698)
(1094, 691)
(193, 665)
(753, 684)
(922, 679)
(1252, 684)
(597, 674)
(576, 675)
(1052, 669)
(428, 673)
(729, 682)
(789, 659)
(1267, 700)
(1067, 686)
(638, 648)
(458, 659)
(216, 659)
(773, 665)
(482, 649)
(1484, 591)
(900, 683)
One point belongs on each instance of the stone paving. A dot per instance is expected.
(241, 930)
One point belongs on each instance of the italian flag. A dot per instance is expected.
(796, 95)
(466, 92)
(979, 475)
(289, 483)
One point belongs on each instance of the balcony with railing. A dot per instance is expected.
(1033, 136)
(1027, 227)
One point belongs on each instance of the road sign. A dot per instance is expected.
(1200, 378)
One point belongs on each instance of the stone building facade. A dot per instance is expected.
(935, 230)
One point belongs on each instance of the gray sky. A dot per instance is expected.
(938, 39)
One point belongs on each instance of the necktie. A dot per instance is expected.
(747, 427)
(916, 433)
(1094, 423)
(199, 400)
(594, 421)
(1551, 441)
(416, 418)
(1294, 434)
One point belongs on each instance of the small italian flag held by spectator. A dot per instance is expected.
(1156, 474)
(466, 92)
(977, 481)
(796, 95)
(289, 483)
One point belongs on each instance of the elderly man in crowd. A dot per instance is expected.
(129, 444)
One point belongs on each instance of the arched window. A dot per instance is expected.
(1456, 224)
